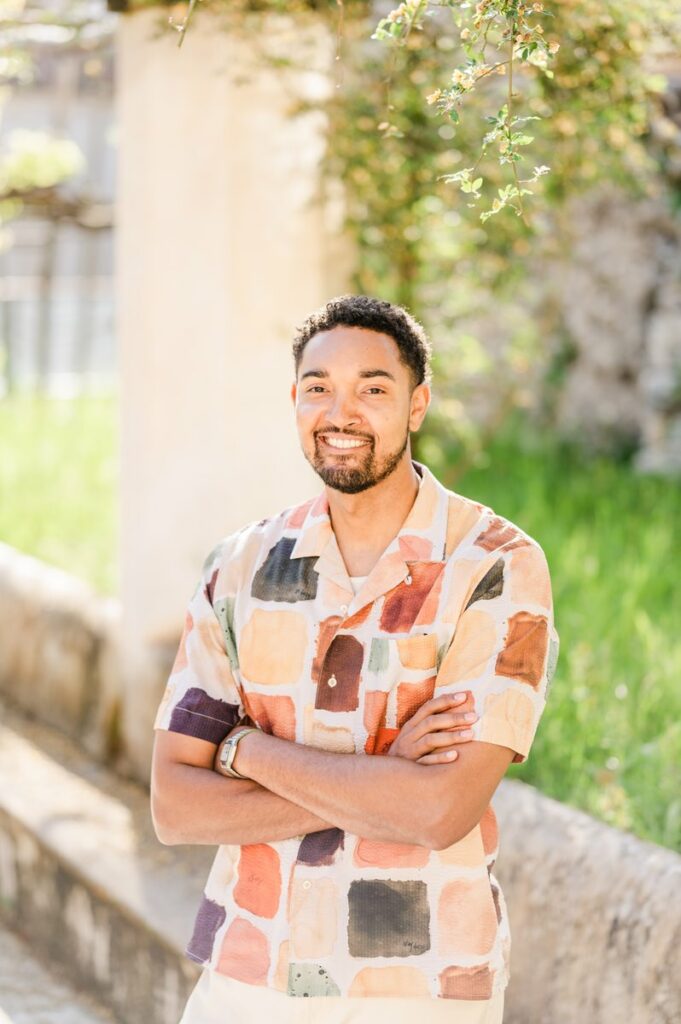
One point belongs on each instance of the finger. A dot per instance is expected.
(441, 757)
(444, 722)
(443, 702)
(437, 741)
(453, 720)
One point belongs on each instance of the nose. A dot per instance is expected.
(342, 411)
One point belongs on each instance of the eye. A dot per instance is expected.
(315, 387)
(380, 391)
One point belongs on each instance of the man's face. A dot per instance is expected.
(355, 407)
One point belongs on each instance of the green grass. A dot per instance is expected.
(610, 738)
(59, 483)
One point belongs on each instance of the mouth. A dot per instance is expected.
(343, 443)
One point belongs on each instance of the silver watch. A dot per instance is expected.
(228, 753)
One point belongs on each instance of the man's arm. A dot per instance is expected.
(188, 806)
(191, 803)
(385, 798)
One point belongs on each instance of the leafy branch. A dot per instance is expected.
(515, 23)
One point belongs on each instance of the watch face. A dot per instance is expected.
(224, 753)
(227, 753)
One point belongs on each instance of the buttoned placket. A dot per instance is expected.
(390, 570)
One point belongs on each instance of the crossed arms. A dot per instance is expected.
(298, 789)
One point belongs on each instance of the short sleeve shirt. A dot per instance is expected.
(461, 598)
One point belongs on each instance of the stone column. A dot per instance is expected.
(224, 245)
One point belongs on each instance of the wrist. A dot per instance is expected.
(226, 753)
(242, 763)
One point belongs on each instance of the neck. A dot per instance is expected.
(367, 522)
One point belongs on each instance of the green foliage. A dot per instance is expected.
(37, 160)
(393, 144)
(509, 26)
(592, 104)
(59, 474)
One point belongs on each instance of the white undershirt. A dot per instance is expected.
(357, 582)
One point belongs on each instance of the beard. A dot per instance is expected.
(359, 472)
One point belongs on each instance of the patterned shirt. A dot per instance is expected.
(461, 598)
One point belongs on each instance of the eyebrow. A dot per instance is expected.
(362, 373)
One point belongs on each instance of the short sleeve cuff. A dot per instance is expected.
(197, 714)
(508, 733)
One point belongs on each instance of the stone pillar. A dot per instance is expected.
(224, 245)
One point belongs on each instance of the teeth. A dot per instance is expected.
(337, 443)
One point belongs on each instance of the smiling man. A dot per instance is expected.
(354, 677)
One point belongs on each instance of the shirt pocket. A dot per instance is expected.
(399, 677)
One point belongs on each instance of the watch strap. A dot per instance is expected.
(228, 753)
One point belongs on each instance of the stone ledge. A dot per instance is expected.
(30, 991)
(595, 916)
(60, 643)
(85, 880)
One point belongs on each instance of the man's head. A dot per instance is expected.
(362, 384)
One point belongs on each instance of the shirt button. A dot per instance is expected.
(344, 609)
(331, 681)
(408, 580)
(307, 883)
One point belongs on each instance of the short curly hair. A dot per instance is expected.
(375, 315)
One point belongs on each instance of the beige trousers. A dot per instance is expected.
(217, 999)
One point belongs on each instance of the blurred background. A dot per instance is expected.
(169, 214)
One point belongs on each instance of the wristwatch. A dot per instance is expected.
(228, 753)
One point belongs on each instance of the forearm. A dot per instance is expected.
(374, 797)
(201, 807)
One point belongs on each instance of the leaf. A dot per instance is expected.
(474, 56)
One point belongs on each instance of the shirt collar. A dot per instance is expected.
(421, 538)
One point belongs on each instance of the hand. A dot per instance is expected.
(432, 733)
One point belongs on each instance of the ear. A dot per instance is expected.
(420, 400)
(294, 392)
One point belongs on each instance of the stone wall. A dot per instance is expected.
(595, 916)
(620, 301)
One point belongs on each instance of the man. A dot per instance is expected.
(366, 621)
